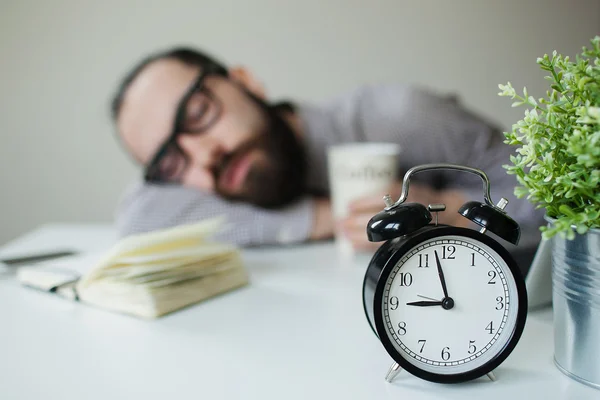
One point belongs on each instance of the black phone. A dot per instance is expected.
(37, 257)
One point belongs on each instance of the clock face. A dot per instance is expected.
(450, 305)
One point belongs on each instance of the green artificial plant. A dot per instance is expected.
(557, 161)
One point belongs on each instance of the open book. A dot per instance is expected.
(146, 275)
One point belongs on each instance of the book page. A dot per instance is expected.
(48, 274)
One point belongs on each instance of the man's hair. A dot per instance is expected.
(185, 55)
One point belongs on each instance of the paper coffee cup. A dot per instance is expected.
(357, 170)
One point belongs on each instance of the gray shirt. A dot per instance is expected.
(430, 128)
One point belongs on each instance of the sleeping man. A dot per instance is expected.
(210, 143)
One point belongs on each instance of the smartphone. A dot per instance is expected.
(37, 257)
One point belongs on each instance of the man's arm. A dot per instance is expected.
(150, 207)
(436, 129)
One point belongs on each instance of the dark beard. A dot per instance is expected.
(282, 179)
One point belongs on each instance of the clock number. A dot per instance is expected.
(492, 275)
(402, 328)
(490, 327)
(406, 279)
(472, 259)
(446, 353)
(451, 250)
(472, 347)
(394, 302)
(500, 304)
(422, 343)
(421, 260)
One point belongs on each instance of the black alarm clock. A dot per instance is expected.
(448, 303)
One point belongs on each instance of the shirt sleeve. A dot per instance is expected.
(432, 128)
(148, 207)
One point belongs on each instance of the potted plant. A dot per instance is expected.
(557, 166)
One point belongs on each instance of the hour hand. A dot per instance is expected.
(425, 303)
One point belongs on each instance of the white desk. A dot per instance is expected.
(297, 332)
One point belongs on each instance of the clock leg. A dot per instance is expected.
(393, 372)
(492, 376)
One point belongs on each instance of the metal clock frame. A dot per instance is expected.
(377, 274)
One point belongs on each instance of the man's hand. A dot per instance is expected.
(362, 210)
(322, 227)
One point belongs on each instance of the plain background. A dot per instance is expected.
(61, 60)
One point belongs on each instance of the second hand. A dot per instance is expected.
(428, 298)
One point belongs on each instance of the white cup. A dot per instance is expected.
(357, 170)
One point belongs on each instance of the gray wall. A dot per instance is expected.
(60, 60)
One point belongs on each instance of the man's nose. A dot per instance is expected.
(203, 151)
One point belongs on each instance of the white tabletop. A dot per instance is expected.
(298, 331)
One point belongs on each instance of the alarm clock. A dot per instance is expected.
(448, 303)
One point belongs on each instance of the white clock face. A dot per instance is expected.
(458, 331)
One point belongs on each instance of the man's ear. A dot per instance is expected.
(244, 77)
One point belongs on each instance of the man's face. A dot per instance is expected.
(247, 152)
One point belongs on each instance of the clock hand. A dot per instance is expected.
(441, 274)
(428, 298)
(424, 303)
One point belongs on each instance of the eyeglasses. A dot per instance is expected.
(197, 111)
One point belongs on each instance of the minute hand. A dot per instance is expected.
(441, 274)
